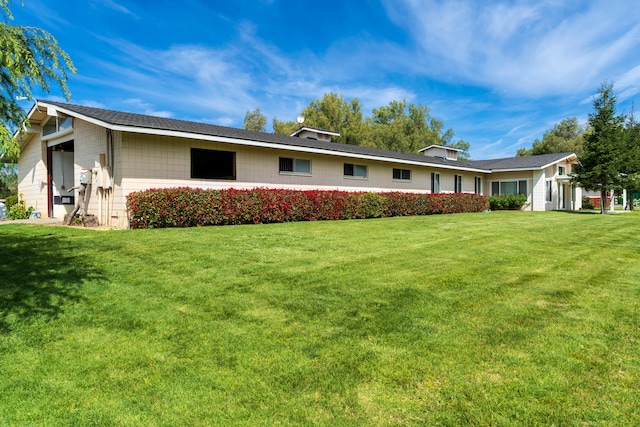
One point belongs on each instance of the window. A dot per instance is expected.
(213, 164)
(457, 183)
(359, 171)
(562, 170)
(549, 190)
(57, 124)
(478, 185)
(402, 174)
(435, 182)
(300, 166)
(503, 188)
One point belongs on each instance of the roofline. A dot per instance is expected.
(536, 167)
(439, 146)
(253, 143)
(318, 130)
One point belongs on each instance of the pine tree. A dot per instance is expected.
(601, 163)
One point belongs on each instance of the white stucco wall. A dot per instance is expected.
(32, 175)
(148, 161)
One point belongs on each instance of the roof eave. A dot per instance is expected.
(254, 143)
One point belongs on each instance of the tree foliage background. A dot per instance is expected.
(565, 137)
(398, 126)
(29, 57)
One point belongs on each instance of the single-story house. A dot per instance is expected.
(115, 153)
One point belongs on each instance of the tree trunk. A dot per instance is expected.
(630, 201)
(603, 201)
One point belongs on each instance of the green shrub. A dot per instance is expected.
(10, 201)
(188, 207)
(509, 201)
(20, 211)
(586, 203)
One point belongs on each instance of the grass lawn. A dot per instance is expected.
(502, 318)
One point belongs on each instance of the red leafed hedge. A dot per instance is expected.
(189, 207)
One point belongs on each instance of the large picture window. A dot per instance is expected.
(291, 165)
(503, 188)
(213, 164)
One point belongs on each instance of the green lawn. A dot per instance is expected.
(502, 318)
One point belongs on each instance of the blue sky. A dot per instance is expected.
(500, 73)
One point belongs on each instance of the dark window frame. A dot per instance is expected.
(350, 170)
(290, 165)
(401, 174)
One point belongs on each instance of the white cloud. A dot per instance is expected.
(535, 48)
(628, 85)
(143, 107)
(111, 4)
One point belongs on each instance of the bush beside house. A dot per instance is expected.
(189, 207)
(511, 201)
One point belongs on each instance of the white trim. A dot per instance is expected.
(440, 146)
(316, 130)
(57, 135)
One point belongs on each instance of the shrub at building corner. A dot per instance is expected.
(189, 207)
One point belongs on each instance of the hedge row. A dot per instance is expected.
(189, 207)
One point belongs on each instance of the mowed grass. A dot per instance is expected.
(502, 318)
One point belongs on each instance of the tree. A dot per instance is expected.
(408, 128)
(8, 180)
(565, 137)
(631, 157)
(331, 112)
(284, 128)
(255, 120)
(398, 126)
(601, 163)
(29, 57)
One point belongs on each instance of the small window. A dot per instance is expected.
(435, 182)
(457, 183)
(359, 171)
(291, 165)
(57, 124)
(549, 190)
(495, 188)
(402, 174)
(213, 164)
(478, 185)
(562, 170)
(522, 187)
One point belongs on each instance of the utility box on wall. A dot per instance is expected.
(85, 176)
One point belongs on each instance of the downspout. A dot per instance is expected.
(109, 201)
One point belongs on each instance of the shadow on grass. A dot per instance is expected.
(40, 274)
(593, 212)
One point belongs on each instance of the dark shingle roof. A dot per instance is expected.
(132, 120)
(117, 118)
(524, 162)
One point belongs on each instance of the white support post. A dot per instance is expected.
(611, 204)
